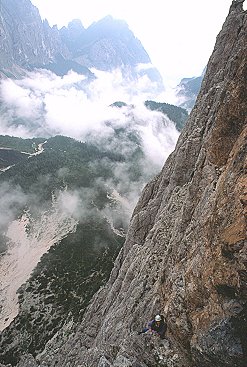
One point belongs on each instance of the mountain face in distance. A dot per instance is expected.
(25, 39)
(92, 46)
(187, 91)
(177, 114)
(106, 45)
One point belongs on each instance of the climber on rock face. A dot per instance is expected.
(156, 326)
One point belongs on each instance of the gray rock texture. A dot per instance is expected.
(185, 254)
(25, 38)
(27, 42)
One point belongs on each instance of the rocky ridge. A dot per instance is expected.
(25, 38)
(185, 253)
(27, 42)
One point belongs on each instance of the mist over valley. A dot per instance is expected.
(74, 160)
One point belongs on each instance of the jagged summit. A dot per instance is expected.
(105, 45)
(76, 24)
(237, 5)
(113, 34)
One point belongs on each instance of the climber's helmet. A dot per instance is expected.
(158, 318)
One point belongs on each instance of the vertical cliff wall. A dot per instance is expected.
(185, 254)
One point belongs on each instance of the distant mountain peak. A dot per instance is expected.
(76, 24)
(105, 45)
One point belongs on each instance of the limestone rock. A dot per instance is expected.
(185, 254)
(25, 38)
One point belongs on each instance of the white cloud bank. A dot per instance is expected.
(43, 104)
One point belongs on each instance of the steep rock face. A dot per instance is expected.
(185, 253)
(25, 39)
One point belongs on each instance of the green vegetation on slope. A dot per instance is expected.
(61, 287)
(67, 277)
(177, 114)
(22, 145)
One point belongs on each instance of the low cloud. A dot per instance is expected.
(75, 203)
(11, 199)
(44, 104)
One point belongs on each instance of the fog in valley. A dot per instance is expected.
(38, 206)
